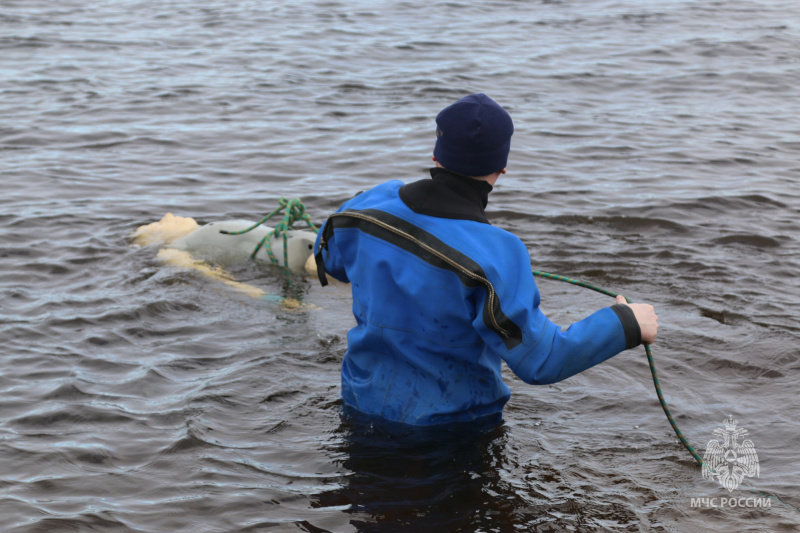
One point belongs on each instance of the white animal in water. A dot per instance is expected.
(182, 238)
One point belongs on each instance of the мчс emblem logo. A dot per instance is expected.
(730, 461)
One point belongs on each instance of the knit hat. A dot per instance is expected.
(473, 136)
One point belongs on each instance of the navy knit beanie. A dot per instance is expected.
(473, 136)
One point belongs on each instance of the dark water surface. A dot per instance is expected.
(656, 153)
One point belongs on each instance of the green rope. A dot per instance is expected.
(661, 399)
(647, 350)
(294, 211)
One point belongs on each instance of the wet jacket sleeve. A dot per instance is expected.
(546, 354)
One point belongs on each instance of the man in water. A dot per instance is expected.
(441, 297)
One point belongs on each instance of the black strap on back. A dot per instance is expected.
(327, 231)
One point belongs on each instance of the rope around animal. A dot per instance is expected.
(294, 211)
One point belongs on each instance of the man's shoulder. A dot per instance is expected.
(464, 234)
(382, 192)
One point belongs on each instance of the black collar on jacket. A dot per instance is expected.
(448, 195)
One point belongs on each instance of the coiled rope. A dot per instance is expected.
(647, 350)
(293, 211)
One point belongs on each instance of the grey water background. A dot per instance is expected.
(656, 153)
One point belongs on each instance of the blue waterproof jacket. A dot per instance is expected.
(441, 298)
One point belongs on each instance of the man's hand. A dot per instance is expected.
(646, 317)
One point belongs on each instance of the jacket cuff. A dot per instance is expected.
(633, 334)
